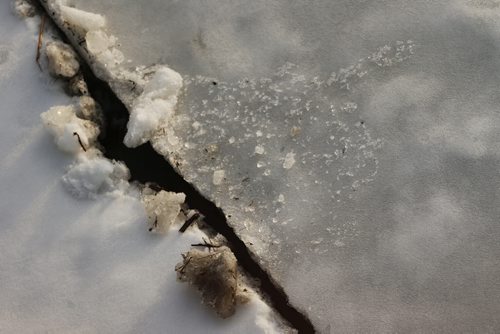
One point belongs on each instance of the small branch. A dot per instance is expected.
(155, 225)
(189, 222)
(79, 141)
(206, 244)
(40, 39)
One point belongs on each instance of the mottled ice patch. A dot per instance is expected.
(274, 138)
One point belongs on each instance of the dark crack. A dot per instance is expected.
(146, 165)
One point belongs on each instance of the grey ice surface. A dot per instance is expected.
(372, 194)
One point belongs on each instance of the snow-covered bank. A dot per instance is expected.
(71, 265)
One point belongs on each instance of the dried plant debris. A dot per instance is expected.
(62, 59)
(214, 272)
(163, 209)
(40, 41)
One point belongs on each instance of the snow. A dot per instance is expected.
(91, 175)
(154, 108)
(73, 265)
(389, 215)
(67, 129)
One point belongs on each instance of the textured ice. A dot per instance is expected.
(359, 144)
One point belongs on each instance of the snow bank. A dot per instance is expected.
(155, 106)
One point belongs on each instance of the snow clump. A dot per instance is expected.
(163, 209)
(71, 134)
(92, 174)
(154, 108)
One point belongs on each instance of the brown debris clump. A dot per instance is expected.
(214, 273)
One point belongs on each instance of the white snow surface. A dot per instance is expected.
(81, 266)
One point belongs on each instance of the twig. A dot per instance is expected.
(189, 222)
(155, 225)
(39, 44)
(205, 244)
(79, 141)
(184, 265)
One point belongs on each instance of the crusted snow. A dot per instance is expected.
(91, 175)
